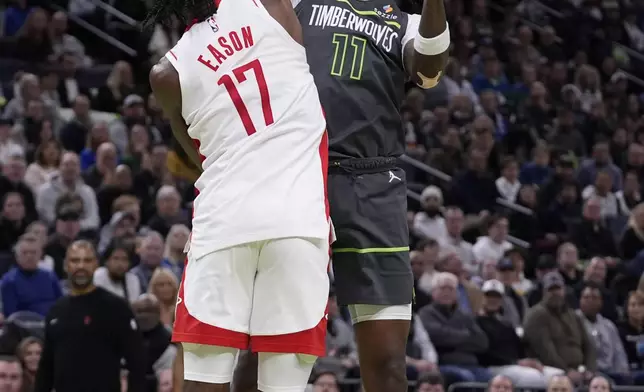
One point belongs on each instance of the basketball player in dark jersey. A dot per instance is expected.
(361, 53)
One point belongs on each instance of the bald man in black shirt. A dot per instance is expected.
(88, 333)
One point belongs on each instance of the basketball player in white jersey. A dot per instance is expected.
(242, 103)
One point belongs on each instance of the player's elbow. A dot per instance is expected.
(429, 69)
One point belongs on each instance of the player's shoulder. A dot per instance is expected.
(164, 77)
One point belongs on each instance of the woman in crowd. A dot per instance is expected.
(28, 353)
(631, 331)
(633, 238)
(174, 246)
(13, 222)
(32, 41)
(164, 285)
(45, 165)
(119, 84)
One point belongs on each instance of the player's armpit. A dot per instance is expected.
(425, 70)
(164, 81)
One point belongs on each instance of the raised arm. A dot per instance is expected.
(426, 44)
(164, 81)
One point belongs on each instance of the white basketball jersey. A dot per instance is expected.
(252, 108)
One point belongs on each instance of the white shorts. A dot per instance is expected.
(271, 295)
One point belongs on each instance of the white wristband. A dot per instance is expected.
(432, 46)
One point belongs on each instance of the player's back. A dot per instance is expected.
(252, 107)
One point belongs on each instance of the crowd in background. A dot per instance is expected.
(525, 168)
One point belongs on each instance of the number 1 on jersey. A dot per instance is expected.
(240, 75)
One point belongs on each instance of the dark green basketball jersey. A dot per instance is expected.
(354, 49)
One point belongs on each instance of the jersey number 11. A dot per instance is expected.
(240, 75)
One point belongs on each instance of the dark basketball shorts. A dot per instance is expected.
(368, 201)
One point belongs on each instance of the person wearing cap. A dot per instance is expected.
(430, 223)
(555, 335)
(133, 112)
(456, 336)
(514, 305)
(546, 264)
(505, 354)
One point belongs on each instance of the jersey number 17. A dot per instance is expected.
(240, 74)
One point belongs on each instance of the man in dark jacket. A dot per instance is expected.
(556, 336)
(505, 354)
(457, 338)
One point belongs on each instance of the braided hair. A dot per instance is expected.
(186, 11)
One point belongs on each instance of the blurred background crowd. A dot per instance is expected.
(525, 169)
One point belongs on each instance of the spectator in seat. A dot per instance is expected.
(421, 354)
(169, 213)
(520, 283)
(97, 135)
(500, 384)
(457, 338)
(115, 276)
(555, 335)
(595, 275)
(568, 263)
(40, 230)
(563, 213)
(492, 78)
(505, 354)
(538, 170)
(151, 254)
(63, 42)
(29, 90)
(514, 305)
(15, 16)
(611, 358)
(424, 263)
(12, 180)
(122, 226)
(632, 241)
(635, 160)
(631, 195)
(8, 146)
(599, 384)
(26, 287)
(631, 332)
(325, 382)
(13, 221)
(560, 384)
(45, 165)
(564, 174)
(133, 112)
(174, 255)
(429, 223)
(75, 132)
(32, 42)
(117, 184)
(469, 296)
(11, 369)
(164, 285)
(600, 160)
(120, 84)
(68, 181)
(68, 86)
(341, 351)
(66, 230)
(508, 184)
(475, 177)
(153, 175)
(430, 382)
(455, 223)
(495, 243)
(565, 134)
(28, 353)
(601, 191)
(103, 170)
(160, 352)
(591, 235)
